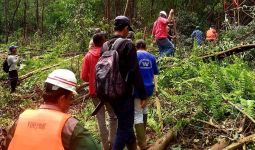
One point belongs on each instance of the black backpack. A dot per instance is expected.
(110, 85)
(6, 66)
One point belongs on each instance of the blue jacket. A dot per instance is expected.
(148, 68)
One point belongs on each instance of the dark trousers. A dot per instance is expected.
(125, 136)
(13, 77)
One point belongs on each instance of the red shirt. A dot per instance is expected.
(160, 28)
(88, 68)
(211, 34)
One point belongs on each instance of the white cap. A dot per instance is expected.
(162, 13)
(63, 78)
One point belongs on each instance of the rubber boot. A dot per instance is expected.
(140, 135)
(145, 120)
(132, 145)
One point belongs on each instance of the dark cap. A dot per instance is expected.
(122, 21)
(12, 47)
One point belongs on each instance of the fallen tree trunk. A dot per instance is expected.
(232, 51)
(240, 142)
(162, 143)
(220, 145)
(43, 69)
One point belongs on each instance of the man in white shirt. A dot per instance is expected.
(13, 63)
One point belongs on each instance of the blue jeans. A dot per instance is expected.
(125, 136)
(165, 46)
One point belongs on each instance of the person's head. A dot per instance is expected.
(197, 27)
(13, 49)
(99, 39)
(212, 26)
(59, 88)
(131, 35)
(122, 26)
(163, 14)
(140, 44)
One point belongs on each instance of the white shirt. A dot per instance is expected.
(13, 61)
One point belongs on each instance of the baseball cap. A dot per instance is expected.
(12, 47)
(122, 21)
(162, 13)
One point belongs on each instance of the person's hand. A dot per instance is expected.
(171, 11)
(143, 103)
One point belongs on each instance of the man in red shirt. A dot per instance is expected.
(88, 75)
(160, 33)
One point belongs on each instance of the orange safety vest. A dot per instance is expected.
(211, 35)
(39, 130)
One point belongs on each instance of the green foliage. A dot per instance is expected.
(197, 83)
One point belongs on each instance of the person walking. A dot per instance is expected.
(148, 68)
(13, 63)
(197, 34)
(51, 127)
(211, 34)
(160, 33)
(88, 75)
(128, 68)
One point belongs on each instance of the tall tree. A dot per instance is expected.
(117, 4)
(25, 20)
(107, 9)
(14, 14)
(37, 15)
(6, 29)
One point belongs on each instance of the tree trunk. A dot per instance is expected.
(42, 17)
(37, 15)
(6, 28)
(117, 7)
(25, 21)
(126, 8)
(107, 9)
(14, 14)
(132, 9)
(152, 5)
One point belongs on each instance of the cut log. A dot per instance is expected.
(240, 142)
(232, 51)
(43, 69)
(220, 145)
(163, 142)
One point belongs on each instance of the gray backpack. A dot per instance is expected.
(109, 83)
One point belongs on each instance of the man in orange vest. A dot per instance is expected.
(211, 34)
(50, 127)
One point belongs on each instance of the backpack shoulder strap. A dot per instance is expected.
(118, 43)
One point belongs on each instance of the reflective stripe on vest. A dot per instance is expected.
(39, 130)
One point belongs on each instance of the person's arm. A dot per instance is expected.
(171, 15)
(82, 140)
(193, 34)
(85, 69)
